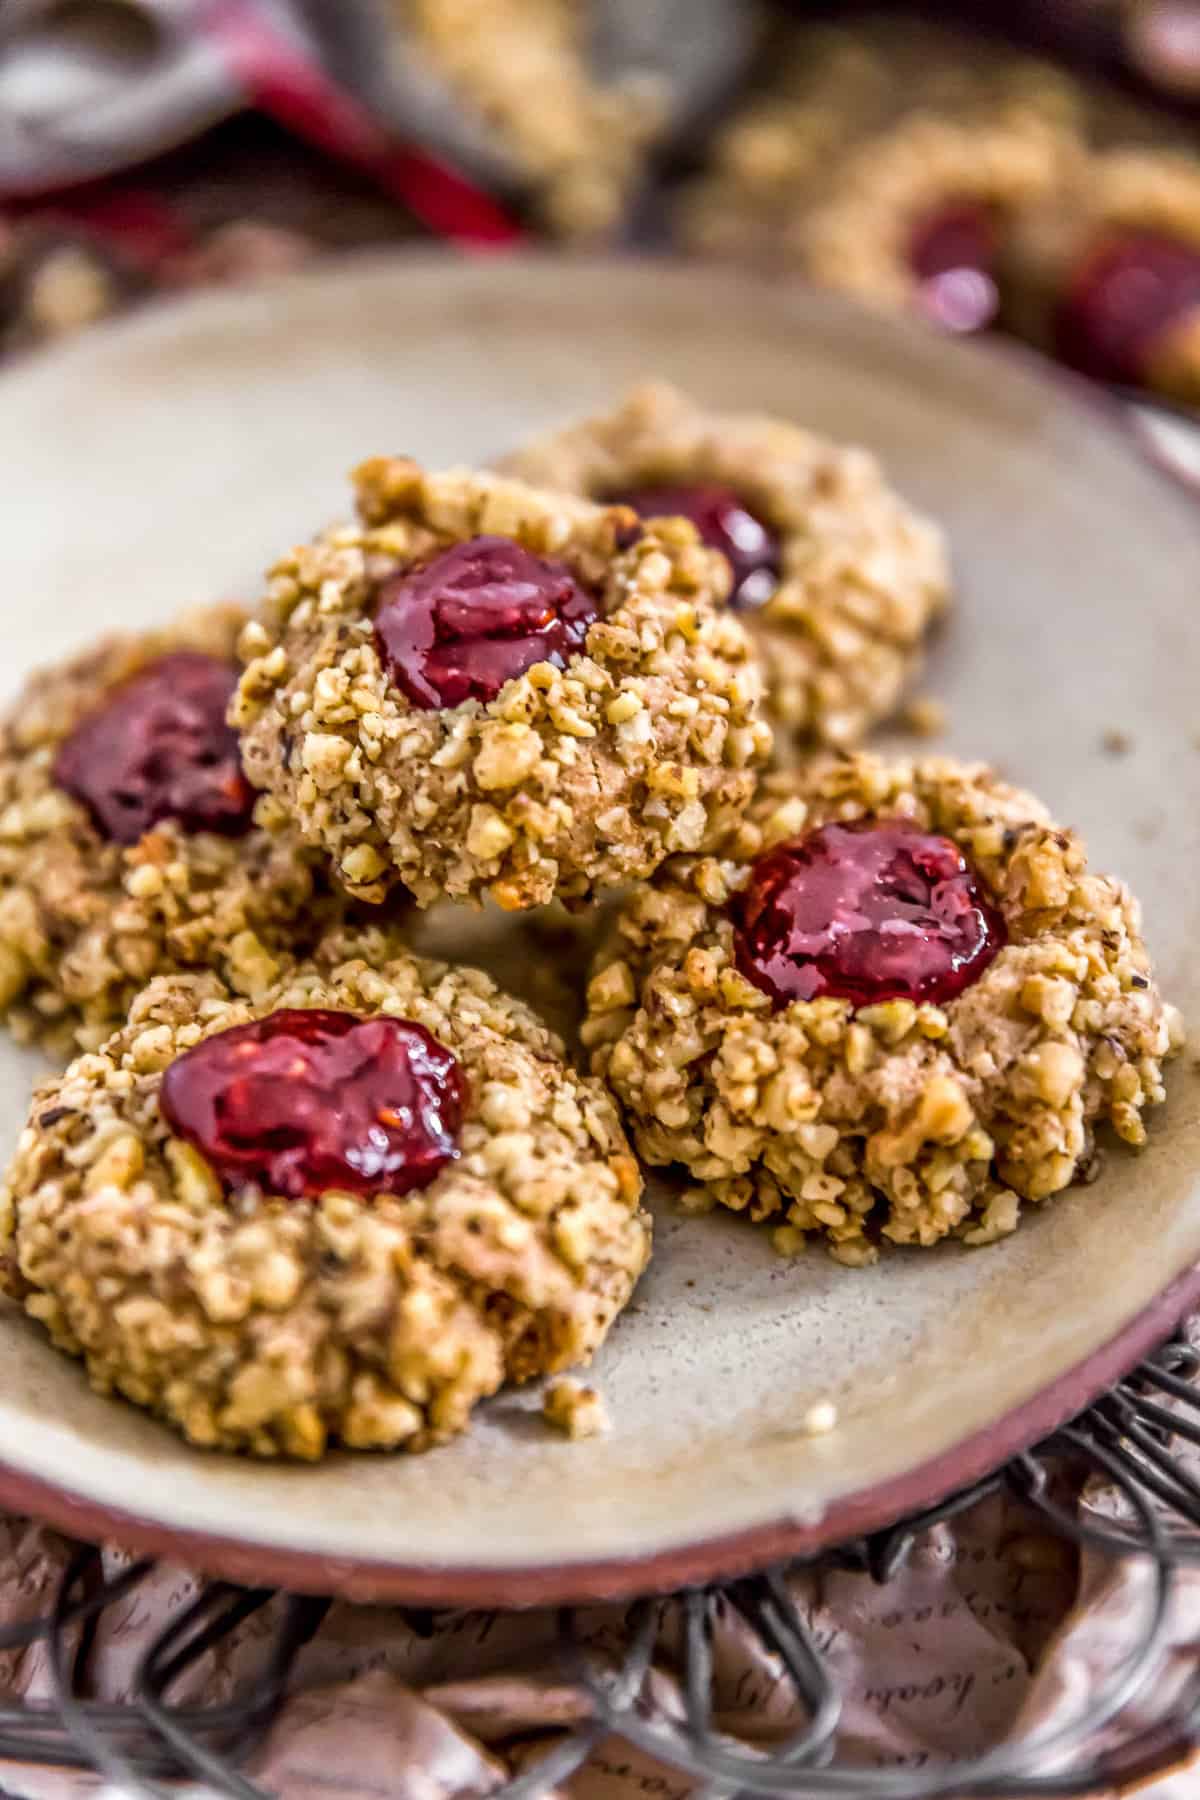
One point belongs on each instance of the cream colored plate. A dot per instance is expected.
(162, 462)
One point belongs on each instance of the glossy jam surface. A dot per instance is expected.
(952, 252)
(726, 524)
(1131, 288)
(866, 911)
(158, 749)
(307, 1101)
(478, 615)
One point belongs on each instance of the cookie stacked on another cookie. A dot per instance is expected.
(485, 688)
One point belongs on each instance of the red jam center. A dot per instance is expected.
(304, 1102)
(866, 911)
(478, 615)
(159, 748)
(1125, 294)
(952, 252)
(726, 524)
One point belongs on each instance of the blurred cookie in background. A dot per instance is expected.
(921, 168)
(1107, 276)
(919, 218)
(888, 159)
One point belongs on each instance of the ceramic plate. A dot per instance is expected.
(162, 462)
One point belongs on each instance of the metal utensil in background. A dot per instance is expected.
(89, 87)
(86, 90)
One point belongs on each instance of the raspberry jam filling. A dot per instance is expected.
(1131, 289)
(865, 911)
(952, 252)
(159, 748)
(726, 524)
(478, 615)
(307, 1101)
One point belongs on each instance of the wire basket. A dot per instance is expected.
(1130, 1438)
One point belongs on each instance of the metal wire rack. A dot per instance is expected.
(1129, 1437)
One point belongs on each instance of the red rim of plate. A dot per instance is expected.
(711, 1559)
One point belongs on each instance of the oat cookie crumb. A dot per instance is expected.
(924, 716)
(577, 1410)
